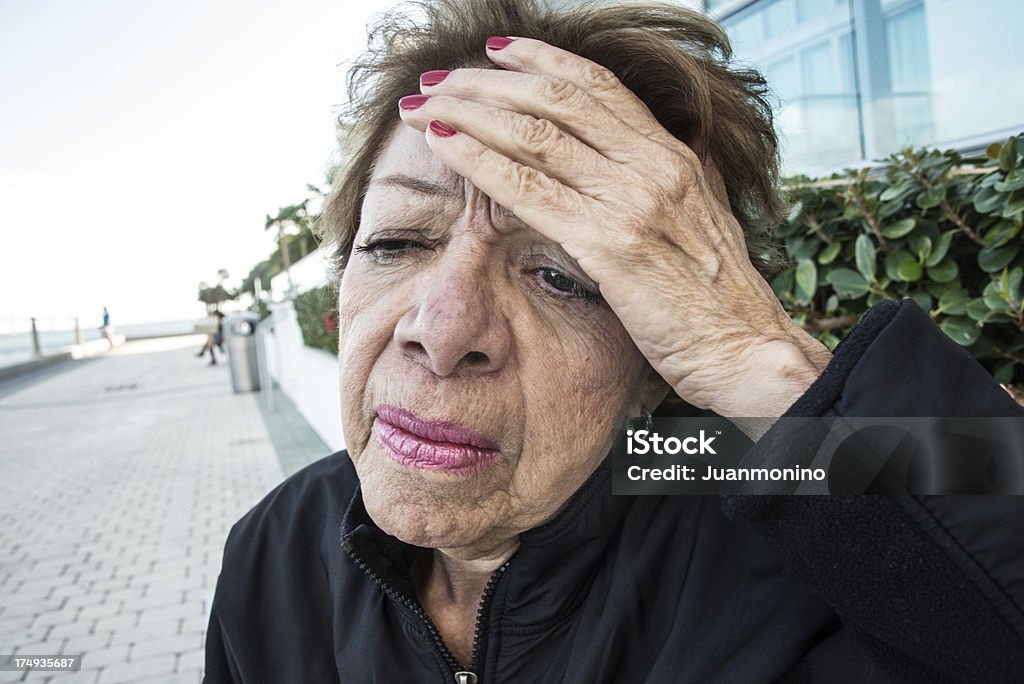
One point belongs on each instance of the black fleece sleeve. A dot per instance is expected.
(932, 587)
(220, 663)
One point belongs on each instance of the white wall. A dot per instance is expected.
(308, 376)
(308, 272)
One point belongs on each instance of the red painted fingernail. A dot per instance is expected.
(411, 102)
(498, 43)
(432, 78)
(440, 129)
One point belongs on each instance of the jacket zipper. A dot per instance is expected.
(461, 676)
(481, 619)
(412, 605)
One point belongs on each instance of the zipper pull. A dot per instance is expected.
(465, 678)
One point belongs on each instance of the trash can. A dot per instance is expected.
(240, 336)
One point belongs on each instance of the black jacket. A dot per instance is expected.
(662, 589)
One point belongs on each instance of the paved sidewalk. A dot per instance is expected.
(121, 479)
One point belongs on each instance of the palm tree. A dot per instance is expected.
(296, 217)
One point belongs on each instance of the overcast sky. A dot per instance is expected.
(143, 142)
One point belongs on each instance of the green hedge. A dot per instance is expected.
(317, 315)
(933, 226)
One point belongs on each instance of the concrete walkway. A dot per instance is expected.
(122, 476)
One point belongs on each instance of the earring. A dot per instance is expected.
(644, 422)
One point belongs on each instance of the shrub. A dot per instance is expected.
(933, 226)
(317, 315)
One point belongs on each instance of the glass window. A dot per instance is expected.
(779, 18)
(783, 78)
(907, 44)
(858, 79)
(746, 33)
(811, 9)
(818, 69)
(809, 68)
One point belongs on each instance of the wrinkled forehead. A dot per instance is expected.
(408, 171)
(405, 151)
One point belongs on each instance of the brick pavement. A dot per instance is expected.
(121, 479)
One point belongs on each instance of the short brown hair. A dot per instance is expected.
(676, 60)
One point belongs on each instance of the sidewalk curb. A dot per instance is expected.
(14, 370)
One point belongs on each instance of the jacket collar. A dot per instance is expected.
(549, 572)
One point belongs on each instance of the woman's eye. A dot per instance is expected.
(562, 283)
(386, 249)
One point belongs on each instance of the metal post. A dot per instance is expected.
(36, 351)
(266, 382)
(874, 82)
(79, 340)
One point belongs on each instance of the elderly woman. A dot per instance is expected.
(548, 219)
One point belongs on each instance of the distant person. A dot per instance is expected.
(214, 339)
(108, 331)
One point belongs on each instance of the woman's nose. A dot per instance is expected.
(455, 327)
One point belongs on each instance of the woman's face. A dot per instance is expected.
(480, 370)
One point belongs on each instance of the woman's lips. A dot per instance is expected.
(431, 445)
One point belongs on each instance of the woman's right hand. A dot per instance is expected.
(559, 141)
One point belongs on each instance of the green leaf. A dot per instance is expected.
(931, 198)
(954, 303)
(944, 271)
(994, 299)
(922, 298)
(938, 289)
(988, 200)
(963, 331)
(848, 284)
(901, 265)
(898, 229)
(991, 179)
(829, 340)
(978, 309)
(1014, 205)
(982, 348)
(782, 284)
(803, 247)
(1013, 284)
(806, 279)
(921, 246)
(865, 249)
(894, 191)
(1007, 157)
(1000, 234)
(1003, 373)
(909, 271)
(887, 209)
(829, 254)
(1013, 181)
(831, 304)
(992, 151)
(991, 260)
(940, 248)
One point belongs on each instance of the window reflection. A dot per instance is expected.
(858, 79)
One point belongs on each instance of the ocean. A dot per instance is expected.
(17, 347)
